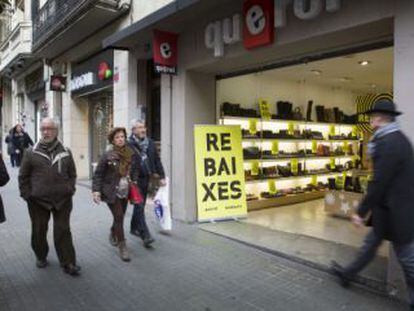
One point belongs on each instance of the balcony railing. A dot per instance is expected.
(55, 16)
(53, 13)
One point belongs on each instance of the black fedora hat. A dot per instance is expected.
(385, 106)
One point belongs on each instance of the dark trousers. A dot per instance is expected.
(404, 253)
(13, 159)
(18, 158)
(118, 210)
(61, 233)
(138, 221)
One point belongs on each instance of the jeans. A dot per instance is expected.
(404, 253)
(138, 221)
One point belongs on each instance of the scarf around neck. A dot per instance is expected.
(381, 132)
(125, 155)
(48, 147)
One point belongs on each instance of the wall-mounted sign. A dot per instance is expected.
(82, 81)
(365, 103)
(58, 83)
(93, 75)
(258, 21)
(104, 71)
(165, 51)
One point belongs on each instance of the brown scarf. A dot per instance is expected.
(125, 154)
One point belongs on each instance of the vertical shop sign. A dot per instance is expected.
(272, 186)
(255, 168)
(275, 147)
(165, 51)
(264, 108)
(219, 171)
(258, 23)
(253, 127)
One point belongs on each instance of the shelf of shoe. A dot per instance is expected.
(300, 140)
(286, 121)
(263, 180)
(281, 159)
(285, 200)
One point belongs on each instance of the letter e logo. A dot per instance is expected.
(258, 23)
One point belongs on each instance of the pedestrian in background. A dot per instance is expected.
(111, 183)
(389, 202)
(10, 148)
(149, 165)
(4, 179)
(21, 141)
(47, 180)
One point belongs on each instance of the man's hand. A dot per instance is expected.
(96, 197)
(357, 221)
(163, 182)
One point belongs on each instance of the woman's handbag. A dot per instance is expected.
(135, 195)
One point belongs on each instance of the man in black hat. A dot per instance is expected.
(389, 202)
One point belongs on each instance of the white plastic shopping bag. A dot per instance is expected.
(162, 207)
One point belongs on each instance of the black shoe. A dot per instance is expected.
(148, 241)
(72, 269)
(338, 271)
(41, 263)
(135, 232)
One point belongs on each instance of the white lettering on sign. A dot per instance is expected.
(82, 81)
(228, 31)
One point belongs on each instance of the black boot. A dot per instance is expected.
(332, 183)
(348, 183)
(309, 111)
(289, 111)
(280, 106)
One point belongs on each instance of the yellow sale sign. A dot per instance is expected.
(219, 171)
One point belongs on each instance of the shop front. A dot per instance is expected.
(35, 90)
(91, 84)
(294, 83)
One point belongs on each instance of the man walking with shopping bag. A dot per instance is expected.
(149, 166)
(389, 202)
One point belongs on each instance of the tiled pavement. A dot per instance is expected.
(188, 270)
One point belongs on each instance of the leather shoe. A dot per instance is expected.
(135, 232)
(72, 269)
(338, 271)
(41, 263)
(148, 241)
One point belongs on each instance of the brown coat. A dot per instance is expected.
(48, 179)
(106, 177)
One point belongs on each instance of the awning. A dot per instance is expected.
(174, 17)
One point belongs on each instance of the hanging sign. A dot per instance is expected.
(219, 171)
(272, 186)
(264, 108)
(58, 83)
(294, 166)
(275, 147)
(165, 51)
(253, 126)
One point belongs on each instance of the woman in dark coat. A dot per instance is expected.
(10, 148)
(111, 184)
(21, 141)
(4, 178)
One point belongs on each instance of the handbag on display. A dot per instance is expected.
(135, 195)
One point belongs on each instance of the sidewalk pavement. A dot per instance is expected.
(187, 270)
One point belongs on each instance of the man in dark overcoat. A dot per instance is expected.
(389, 202)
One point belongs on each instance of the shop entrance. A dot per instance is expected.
(304, 143)
(101, 121)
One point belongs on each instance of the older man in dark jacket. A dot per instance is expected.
(149, 164)
(389, 203)
(47, 180)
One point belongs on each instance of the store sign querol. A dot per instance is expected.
(258, 21)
